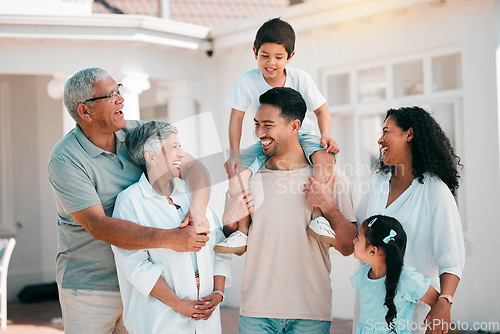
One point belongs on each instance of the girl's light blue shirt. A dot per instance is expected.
(411, 287)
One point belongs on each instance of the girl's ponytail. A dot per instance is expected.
(387, 234)
(394, 264)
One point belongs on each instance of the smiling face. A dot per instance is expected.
(271, 61)
(395, 144)
(172, 155)
(104, 115)
(272, 129)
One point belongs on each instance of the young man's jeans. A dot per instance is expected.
(250, 325)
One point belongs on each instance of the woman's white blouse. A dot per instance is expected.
(139, 270)
(430, 218)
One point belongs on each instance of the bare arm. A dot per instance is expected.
(219, 283)
(235, 128)
(440, 313)
(321, 195)
(431, 296)
(211, 301)
(198, 182)
(129, 235)
(164, 293)
(325, 123)
(233, 206)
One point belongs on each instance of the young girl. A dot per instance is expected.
(387, 288)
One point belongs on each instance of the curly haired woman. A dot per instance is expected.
(415, 183)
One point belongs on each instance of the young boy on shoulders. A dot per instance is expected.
(274, 48)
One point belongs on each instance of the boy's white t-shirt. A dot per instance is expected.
(251, 85)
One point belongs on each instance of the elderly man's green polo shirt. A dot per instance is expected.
(83, 175)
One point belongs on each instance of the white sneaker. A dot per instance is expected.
(236, 243)
(320, 229)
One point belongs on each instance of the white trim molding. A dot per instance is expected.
(106, 27)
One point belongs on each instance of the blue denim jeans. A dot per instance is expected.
(249, 325)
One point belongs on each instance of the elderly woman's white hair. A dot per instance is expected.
(147, 137)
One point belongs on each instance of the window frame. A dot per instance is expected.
(355, 110)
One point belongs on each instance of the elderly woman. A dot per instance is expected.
(415, 183)
(164, 291)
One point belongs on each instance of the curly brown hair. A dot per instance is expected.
(431, 149)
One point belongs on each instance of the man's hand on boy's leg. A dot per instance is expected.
(330, 145)
(233, 164)
(237, 207)
(236, 215)
(318, 194)
(324, 163)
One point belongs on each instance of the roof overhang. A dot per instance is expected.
(104, 27)
(310, 15)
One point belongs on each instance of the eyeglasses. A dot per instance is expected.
(112, 97)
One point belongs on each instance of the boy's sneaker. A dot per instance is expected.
(320, 229)
(236, 243)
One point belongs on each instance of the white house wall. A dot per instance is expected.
(33, 259)
(49, 124)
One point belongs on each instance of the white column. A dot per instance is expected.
(179, 95)
(55, 89)
(6, 186)
(134, 84)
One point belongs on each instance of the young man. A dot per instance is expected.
(87, 169)
(286, 284)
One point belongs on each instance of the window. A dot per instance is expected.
(408, 78)
(430, 80)
(339, 92)
(446, 72)
(371, 84)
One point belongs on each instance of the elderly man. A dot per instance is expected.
(87, 169)
(286, 284)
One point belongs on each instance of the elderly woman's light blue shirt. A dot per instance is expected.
(139, 270)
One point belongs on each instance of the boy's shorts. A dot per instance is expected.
(253, 157)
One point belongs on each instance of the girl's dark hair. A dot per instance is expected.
(430, 148)
(377, 228)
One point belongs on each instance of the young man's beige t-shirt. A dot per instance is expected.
(287, 272)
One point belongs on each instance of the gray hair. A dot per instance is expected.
(147, 137)
(80, 87)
